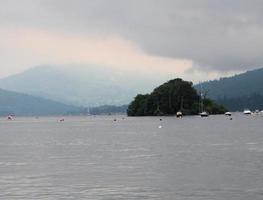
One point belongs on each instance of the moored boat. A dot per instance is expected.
(10, 117)
(179, 114)
(204, 114)
(228, 113)
(247, 112)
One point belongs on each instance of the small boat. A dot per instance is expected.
(228, 114)
(204, 114)
(179, 114)
(247, 112)
(10, 117)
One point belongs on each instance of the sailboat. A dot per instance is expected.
(179, 114)
(247, 112)
(203, 113)
(228, 114)
(10, 117)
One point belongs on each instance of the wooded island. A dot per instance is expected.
(171, 97)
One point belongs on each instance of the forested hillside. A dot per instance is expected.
(26, 105)
(237, 92)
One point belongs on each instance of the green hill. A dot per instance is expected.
(237, 92)
(26, 105)
(169, 98)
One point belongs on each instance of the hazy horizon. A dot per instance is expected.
(194, 40)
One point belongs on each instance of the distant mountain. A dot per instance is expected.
(93, 86)
(81, 85)
(26, 105)
(237, 92)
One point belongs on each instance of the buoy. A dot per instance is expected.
(160, 126)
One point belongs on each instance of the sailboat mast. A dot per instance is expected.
(182, 103)
(201, 99)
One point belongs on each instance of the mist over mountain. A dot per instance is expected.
(92, 86)
(27, 105)
(81, 85)
(237, 92)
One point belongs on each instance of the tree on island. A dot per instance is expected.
(169, 98)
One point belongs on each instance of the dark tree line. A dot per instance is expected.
(169, 98)
(253, 102)
(235, 87)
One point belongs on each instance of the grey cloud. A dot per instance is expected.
(215, 34)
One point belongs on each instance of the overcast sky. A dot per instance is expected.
(198, 39)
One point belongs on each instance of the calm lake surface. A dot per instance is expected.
(98, 158)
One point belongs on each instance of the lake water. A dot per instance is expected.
(98, 158)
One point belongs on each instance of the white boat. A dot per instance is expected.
(204, 114)
(247, 112)
(10, 117)
(228, 113)
(179, 114)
